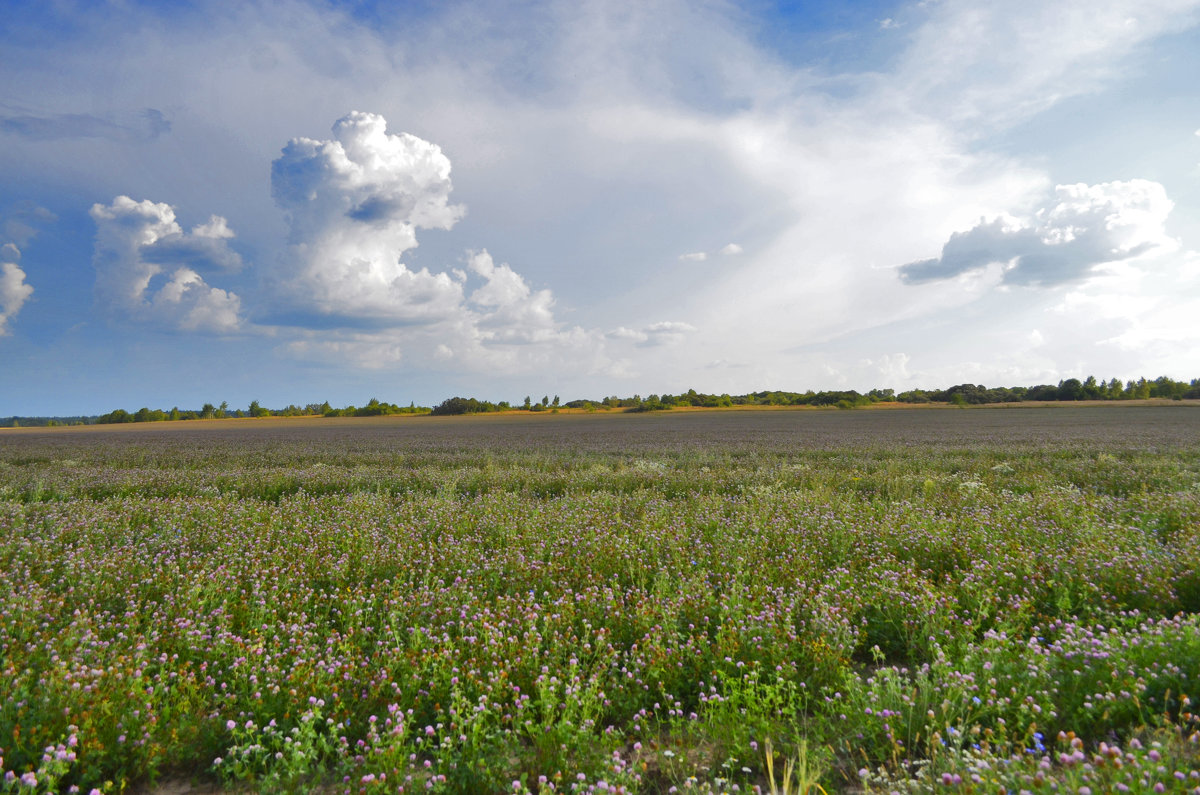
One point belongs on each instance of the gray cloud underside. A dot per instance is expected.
(195, 252)
(1089, 226)
(1035, 262)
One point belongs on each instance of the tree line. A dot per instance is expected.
(1069, 389)
(373, 408)
(960, 394)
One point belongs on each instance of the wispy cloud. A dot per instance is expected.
(21, 223)
(134, 126)
(664, 332)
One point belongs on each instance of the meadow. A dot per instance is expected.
(941, 600)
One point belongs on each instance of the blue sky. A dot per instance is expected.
(300, 201)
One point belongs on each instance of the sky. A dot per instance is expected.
(298, 201)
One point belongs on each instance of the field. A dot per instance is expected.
(953, 601)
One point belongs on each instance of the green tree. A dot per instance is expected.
(208, 411)
(1071, 389)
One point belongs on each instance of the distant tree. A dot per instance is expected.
(1042, 392)
(651, 403)
(555, 401)
(1071, 389)
(223, 409)
(527, 403)
(1165, 387)
(258, 411)
(461, 405)
(208, 411)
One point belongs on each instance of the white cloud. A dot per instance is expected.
(353, 207)
(1089, 226)
(510, 310)
(459, 346)
(731, 249)
(136, 242)
(1149, 318)
(217, 228)
(891, 368)
(665, 332)
(14, 292)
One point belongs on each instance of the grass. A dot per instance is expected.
(789, 601)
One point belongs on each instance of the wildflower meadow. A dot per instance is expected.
(911, 600)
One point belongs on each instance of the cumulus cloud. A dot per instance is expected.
(354, 205)
(695, 256)
(731, 249)
(1089, 226)
(136, 242)
(509, 310)
(13, 289)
